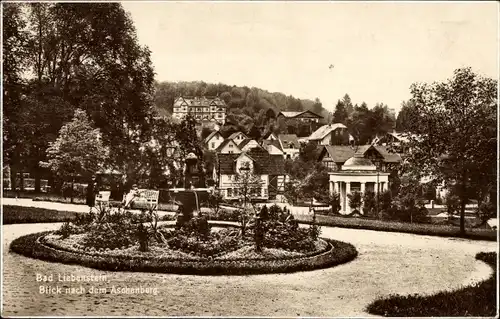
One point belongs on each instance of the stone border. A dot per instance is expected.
(336, 253)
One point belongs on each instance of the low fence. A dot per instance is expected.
(26, 184)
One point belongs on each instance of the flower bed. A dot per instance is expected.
(478, 300)
(39, 246)
(21, 215)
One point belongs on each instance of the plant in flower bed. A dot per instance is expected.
(478, 300)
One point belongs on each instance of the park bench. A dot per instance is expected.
(150, 197)
(102, 197)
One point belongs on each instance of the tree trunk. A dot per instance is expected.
(463, 201)
(72, 189)
(13, 178)
(37, 172)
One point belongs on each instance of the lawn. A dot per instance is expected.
(393, 226)
(22, 215)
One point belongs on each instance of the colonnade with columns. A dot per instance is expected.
(341, 182)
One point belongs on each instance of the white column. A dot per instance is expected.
(363, 187)
(331, 185)
(335, 187)
(377, 185)
(347, 191)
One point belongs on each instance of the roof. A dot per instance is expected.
(358, 163)
(245, 142)
(202, 101)
(223, 144)
(275, 143)
(339, 153)
(207, 139)
(264, 163)
(290, 114)
(289, 140)
(324, 130)
(235, 134)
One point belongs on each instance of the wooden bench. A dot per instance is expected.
(102, 199)
(150, 196)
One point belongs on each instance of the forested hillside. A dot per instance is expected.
(247, 106)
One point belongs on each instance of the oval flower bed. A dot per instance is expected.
(33, 245)
(121, 241)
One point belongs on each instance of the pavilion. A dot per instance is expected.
(357, 174)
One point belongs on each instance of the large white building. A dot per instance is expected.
(202, 108)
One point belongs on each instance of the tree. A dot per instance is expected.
(404, 116)
(333, 201)
(215, 198)
(248, 186)
(369, 203)
(454, 133)
(78, 151)
(355, 200)
(340, 115)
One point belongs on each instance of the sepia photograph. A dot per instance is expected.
(284, 159)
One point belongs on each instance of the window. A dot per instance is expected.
(229, 192)
(230, 145)
(213, 145)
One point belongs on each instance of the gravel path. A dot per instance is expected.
(387, 263)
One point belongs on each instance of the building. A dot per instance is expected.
(238, 137)
(302, 116)
(247, 144)
(270, 169)
(357, 174)
(334, 156)
(290, 145)
(228, 146)
(273, 147)
(331, 134)
(214, 140)
(202, 108)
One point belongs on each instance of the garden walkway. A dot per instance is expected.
(387, 263)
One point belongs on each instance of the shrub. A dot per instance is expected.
(216, 243)
(102, 236)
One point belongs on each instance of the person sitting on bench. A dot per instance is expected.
(131, 196)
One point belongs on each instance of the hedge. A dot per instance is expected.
(21, 215)
(393, 226)
(478, 300)
(31, 246)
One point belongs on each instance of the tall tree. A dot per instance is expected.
(455, 133)
(404, 116)
(340, 114)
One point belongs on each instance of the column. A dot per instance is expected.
(362, 187)
(341, 197)
(335, 187)
(331, 185)
(347, 191)
(377, 185)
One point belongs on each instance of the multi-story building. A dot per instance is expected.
(202, 108)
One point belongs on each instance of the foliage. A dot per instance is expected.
(248, 185)
(78, 150)
(478, 300)
(215, 199)
(486, 211)
(369, 203)
(333, 201)
(354, 200)
(454, 134)
(212, 245)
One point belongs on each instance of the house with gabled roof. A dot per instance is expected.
(214, 140)
(273, 147)
(334, 156)
(303, 116)
(238, 137)
(228, 146)
(247, 144)
(331, 134)
(290, 145)
(270, 169)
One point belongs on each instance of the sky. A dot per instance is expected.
(377, 49)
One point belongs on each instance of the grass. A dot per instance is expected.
(478, 300)
(23, 215)
(338, 253)
(412, 228)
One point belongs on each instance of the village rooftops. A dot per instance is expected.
(341, 153)
(289, 141)
(324, 130)
(264, 163)
(301, 114)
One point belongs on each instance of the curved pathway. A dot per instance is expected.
(387, 263)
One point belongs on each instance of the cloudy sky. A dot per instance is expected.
(377, 49)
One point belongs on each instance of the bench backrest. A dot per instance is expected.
(151, 196)
(103, 196)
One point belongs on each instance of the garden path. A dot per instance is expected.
(387, 263)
